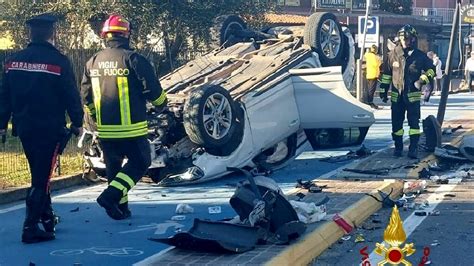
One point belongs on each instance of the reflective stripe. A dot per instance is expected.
(122, 84)
(160, 100)
(121, 128)
(124, 199)
(414, 131)
(394, 96)
(114, 28)
(399, 132)
(430, 73)
(425, 79)
(127, 134)
(414, 96)
(119, 186)
(126, 178)
(386, 79)
(97, 98)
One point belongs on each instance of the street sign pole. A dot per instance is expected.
(362, 48)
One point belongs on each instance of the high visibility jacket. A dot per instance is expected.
(373, 63)
(403, 69)
(115, 86)
(38, 87)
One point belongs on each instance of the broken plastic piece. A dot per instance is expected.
(421, 213)
(345, 238)
(414, 186)
(359, 238)
(435, 213)
(184, 208)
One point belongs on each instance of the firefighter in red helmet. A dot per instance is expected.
(116, 85)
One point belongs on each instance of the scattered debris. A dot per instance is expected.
(435, 213)
(461, 174)
(433, 166)
(450, 195)
(163, 195)
(309, 185)
(74, 210)
(359, 238)
(300, 195)
(421, 213)
(449, 130)
(86, 221)
(386, 201)
(435, 243)
(376, 221)
(449, 152)
(184, 208)
(442, 182)
(417, 186)
(214, 209)
(424, 173)
(345, 238)
(425, 213)
(467, 147)
(309, 212)
(178, 218)
(361, 152)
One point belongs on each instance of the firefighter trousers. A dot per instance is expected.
(400, 107)
(137, 151)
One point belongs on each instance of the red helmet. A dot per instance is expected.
(116, 24)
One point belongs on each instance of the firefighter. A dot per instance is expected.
(407, 69)
(38, 88)
(116, 84)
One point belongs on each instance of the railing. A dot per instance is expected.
(435, 15)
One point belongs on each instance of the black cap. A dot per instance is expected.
(45, 19)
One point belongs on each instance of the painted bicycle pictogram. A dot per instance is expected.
(116, 252)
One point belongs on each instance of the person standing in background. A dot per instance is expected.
(373, 63)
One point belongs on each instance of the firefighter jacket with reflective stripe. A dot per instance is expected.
(38, 87)
(403, 69)
(115, 86)
(373, 63)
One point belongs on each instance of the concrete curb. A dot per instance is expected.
(19, 193)
(316, 242)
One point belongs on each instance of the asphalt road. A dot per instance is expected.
(86, 236)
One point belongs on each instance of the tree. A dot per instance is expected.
(403, 7)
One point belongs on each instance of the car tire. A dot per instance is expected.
(222, 29)
(267, 159)
(204, 121)
(316, 33)
(348, 59)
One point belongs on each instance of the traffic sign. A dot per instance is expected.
(373, 28)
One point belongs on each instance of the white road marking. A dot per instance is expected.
(153, 258)
(413, 221)
(160, 228)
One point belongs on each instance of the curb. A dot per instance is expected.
(19, 193)
(315, 243)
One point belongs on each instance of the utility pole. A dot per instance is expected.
(449, 66)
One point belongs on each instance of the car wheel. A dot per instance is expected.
(348, 59)
(324, 34)
(213, 120)
(224, 28)
(277, 156)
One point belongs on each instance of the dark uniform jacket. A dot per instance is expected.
(38, 86)
(403, 70)
(117, 82)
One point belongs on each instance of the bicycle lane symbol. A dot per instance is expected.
(115, 252)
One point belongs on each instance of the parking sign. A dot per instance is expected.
(372, 36)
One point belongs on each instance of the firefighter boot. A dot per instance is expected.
(35, 202)
(398, 140)
(125, 210)
(413, 148)
(109, 200)
(123, 206)
(48, 218)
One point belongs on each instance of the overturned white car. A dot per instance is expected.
(254, 101)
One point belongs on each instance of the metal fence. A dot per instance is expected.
(14, 168)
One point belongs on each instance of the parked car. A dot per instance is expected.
(254, 101)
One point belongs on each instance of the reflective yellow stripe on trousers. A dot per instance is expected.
(122, 84)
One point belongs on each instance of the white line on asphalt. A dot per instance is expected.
(153, 258)
(22, 205)
(413, 221)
